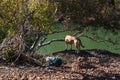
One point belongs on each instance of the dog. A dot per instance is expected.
(73, 40)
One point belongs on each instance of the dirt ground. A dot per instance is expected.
(86, 65)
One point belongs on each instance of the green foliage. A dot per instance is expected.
(38, 16)
(12, 13)
(9, 54)
(42, 17)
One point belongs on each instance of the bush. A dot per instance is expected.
(87, 11)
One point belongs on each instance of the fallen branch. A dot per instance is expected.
(31, 60)
(49, 42)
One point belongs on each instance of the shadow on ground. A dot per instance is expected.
(91, 64)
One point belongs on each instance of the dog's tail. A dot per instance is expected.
(80, 43)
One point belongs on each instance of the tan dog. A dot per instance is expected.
(73, 40)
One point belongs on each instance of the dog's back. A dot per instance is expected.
(69, 39)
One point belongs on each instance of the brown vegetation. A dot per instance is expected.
(87, 65)
(95, 12)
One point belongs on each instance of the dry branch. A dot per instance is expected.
(31, 60)
(49, 42)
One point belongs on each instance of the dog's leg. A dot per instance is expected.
(71, 47)
(78, 50)
(66, 46)
(78, 47)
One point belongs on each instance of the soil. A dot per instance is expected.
(86, 65)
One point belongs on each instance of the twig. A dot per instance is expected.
(35, 42)
(43, 40)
